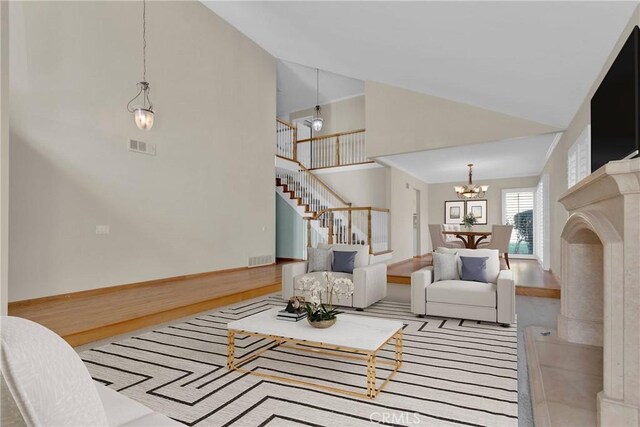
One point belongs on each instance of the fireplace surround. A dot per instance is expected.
(600, 295)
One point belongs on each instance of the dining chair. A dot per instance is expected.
(450, 237)
(438, 240)
(500, 237)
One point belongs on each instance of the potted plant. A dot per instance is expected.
(469, 220)
(319, 314)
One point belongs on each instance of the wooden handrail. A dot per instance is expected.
(349, 209)
(304, 168)
(322, 183)
(331, 167)
(332, 135)
(284, 122)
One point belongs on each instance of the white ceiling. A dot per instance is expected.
(531, 59)
(492, 160)
(297, 87)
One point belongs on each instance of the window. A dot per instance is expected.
(579, 158)
(517, 209)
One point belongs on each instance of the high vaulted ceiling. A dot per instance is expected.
(535, 60)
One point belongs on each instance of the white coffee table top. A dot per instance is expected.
(353, 331)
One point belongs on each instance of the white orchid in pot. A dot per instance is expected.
(322, 314)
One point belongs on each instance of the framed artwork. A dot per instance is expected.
(453, 211)
(479, 209)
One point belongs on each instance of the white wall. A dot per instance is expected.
(402, 121)
(361, 187)
(439, 193)
(205, 202)
(556, 166)
(402, 199)
(4, 155)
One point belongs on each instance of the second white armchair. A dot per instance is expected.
(493, 301)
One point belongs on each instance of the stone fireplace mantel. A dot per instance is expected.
(600, 297)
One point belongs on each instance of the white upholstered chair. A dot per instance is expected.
(369, 280)
(494, 301)
(45, 383)
(500, 237)
(438, 239)
(450, 237)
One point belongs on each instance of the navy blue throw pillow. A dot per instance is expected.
(474, 269)
(343, 262)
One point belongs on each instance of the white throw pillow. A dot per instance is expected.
(318, 259)
(445, 267)
(493, 261)
(47, 380)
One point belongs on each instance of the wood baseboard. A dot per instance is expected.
(290, 259)
(85, 316)
(117, 288)
(534, 291)
(399, 280)
(106, 331)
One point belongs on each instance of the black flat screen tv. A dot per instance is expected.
(615, 109)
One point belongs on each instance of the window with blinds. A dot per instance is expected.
(579, 158)
(518, 209)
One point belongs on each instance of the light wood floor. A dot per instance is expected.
(88, 316)
(530, 278)
(91, 315)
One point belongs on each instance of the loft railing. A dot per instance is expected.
(286, 135)
(354, 226)
(327, 151)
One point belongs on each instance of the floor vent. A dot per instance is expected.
(142, 147)
(256, 261)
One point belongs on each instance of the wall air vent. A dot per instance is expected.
(256, 261)
(142, 147)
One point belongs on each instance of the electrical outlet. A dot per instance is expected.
(102, 229)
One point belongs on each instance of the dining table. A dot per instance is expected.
(469, 238)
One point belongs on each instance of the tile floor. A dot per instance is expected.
(538, 312)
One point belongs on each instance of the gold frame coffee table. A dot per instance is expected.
(354, 337)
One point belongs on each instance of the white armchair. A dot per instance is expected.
(492, 302)
(369, 280)
(44, 383)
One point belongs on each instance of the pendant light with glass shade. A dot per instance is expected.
(317, 121)
(143, 114)
(469, 190)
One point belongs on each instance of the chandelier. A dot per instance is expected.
(317, 121)
(143, 109)
(469, 190)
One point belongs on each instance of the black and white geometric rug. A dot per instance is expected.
(454, 372)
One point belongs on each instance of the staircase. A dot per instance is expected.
(330, 218)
